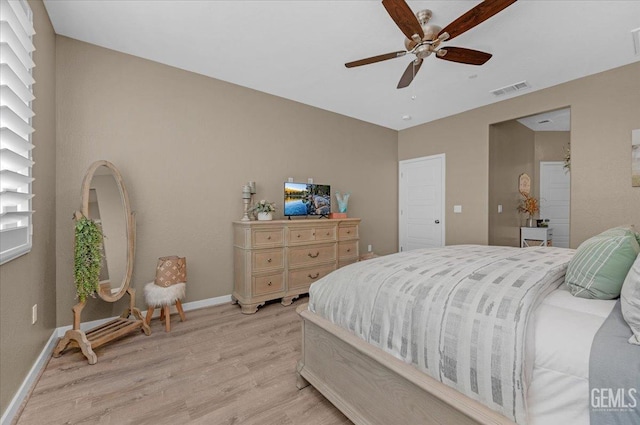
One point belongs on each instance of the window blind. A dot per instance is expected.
(16, 97)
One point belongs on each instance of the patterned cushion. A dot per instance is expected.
(630, 301)
(601, 264)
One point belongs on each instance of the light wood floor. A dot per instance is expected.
(219, 367)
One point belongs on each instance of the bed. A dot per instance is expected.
(377, 371)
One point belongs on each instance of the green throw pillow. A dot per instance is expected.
(630, 301)
(601, 263)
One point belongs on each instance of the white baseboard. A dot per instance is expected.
(23, 392)
(29, 381)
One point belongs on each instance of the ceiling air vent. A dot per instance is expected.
(545, 121)
(636, 40)
(511, 89)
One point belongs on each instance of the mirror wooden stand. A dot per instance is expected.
(105, 201)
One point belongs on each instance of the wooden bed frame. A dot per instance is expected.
(371, 386)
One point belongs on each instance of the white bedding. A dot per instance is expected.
(560, 337)
(458, 313)
(559, 333)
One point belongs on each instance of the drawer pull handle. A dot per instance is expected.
(348, 231)
(269, 284)
(348, 250)
(314, 256)
(328, 233)
(269, 260)
(313, 234)
(269, 237)
(298, 235)
(315, 276)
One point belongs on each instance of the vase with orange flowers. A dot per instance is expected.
(529, 205)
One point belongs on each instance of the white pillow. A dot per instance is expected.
(630, 301)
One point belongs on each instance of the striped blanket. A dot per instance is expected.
(458, 313)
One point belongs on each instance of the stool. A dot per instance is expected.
(161, 297)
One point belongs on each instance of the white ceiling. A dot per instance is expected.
(297, 49)
(558, 120)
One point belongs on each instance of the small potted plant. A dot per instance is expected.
(529, 205)
(265, 209)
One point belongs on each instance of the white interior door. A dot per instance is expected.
(421, 200)
(555, 193)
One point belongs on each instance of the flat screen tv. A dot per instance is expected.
(302, 199)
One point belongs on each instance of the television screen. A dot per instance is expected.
(307, 199)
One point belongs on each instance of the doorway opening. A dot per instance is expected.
(524, 145)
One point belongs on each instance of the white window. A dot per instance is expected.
(16, 95)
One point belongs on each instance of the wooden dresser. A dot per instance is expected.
(282, 258)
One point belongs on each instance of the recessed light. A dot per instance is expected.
(406, 117)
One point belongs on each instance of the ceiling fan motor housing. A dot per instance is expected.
(430, 34)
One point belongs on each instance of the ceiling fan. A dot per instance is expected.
(423, 38)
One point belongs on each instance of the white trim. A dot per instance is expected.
(29, 381)
(209, 302)
(41, 361)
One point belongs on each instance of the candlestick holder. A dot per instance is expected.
(245, 217)
(252, 191)
(246, 199)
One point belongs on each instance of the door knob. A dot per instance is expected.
(437, 221)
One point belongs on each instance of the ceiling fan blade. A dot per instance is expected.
(462, 55)
(404, 18)
(475, 16)
(410, 73)
(375, 59)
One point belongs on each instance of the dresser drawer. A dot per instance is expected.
(305, 234)
(302, 235)
(305, 277)
(268, 259)
(267, 237)
(311, 254)
(268, 283)
(326, 233)
(348, 232)
(347, 250)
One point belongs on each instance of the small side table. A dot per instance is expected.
(535, 236)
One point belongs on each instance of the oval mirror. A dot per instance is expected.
(105, 201)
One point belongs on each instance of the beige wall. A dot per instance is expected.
(185, 144)
(511, 153)
(30, 279)
(604, 109)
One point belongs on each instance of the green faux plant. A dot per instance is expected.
(88, 259)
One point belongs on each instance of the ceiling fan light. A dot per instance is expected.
(423, 51)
